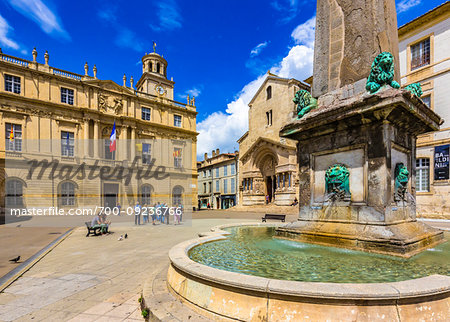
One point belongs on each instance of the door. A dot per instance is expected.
(110, 194)
(269, 188)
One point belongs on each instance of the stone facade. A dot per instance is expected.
(218, 180)
(268, 163)
(432, 70)
(349, 35)
(64, 116)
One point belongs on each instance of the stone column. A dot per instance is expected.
(96, 139)
(349, 35)
(86, 138)
(124, 143)
(133, 143)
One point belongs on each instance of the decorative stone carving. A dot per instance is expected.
(415, 89)
(103, 104)
(269, 166)
(381, 73)
(118, 105)
(108, 129)
(401, 176)
(337, 185)
(305, 102)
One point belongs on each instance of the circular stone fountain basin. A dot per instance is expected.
(254, 251)
(243, 289)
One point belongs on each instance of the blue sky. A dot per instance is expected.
(217, 50)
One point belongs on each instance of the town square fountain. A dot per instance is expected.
(357, 251)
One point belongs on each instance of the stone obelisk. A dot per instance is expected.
(356, 143)
(349, 35)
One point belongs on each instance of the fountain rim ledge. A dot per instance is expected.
(409, 289)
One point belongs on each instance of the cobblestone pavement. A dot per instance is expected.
(96, 278)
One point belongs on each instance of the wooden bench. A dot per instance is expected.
(274, 216)
(92, 230)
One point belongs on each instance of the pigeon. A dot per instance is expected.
(126, 236)
(15, 260)
(120, 238)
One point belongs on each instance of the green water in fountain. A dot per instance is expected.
(254, 251)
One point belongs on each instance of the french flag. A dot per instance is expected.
(112, 139)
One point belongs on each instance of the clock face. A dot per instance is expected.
(160, 90)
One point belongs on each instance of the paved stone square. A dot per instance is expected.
(98, 278)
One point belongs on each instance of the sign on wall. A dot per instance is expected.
(441, 162)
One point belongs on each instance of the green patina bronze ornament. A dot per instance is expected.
(401, 175)
(415, 89)
(305, 102)
(381, 73)
(337, 182)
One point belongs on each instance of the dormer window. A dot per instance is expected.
(269, 92)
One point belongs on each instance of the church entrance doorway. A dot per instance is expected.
(269, 188)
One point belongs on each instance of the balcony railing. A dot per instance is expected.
(14, 60)
(63, 73)
(151, 96)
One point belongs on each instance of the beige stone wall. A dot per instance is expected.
(435, 80)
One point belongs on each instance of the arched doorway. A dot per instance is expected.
(267, 168)
(177, 196)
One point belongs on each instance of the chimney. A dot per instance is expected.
(217, 152)
(206, 156)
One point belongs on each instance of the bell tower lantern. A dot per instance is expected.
(154, 76)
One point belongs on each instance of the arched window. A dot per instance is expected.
(177, 196)
(158, 68)
(67, 194)
(150, 68)
(269, 92)
(14, 193)
(146, 195)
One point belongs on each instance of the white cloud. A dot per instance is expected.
(258, 48)
(297, 64)
(194, 92)
(405, 5)
(287, 8)
(305, 33)
(37, 11)
(125, 37)
(221, 130)
(168, 15)
(108, 14)
(4, 39)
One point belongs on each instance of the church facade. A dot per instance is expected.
(49, 115)
(268, 168)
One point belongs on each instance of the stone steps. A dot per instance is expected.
(162, 305)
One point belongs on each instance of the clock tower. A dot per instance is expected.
(154, 76)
